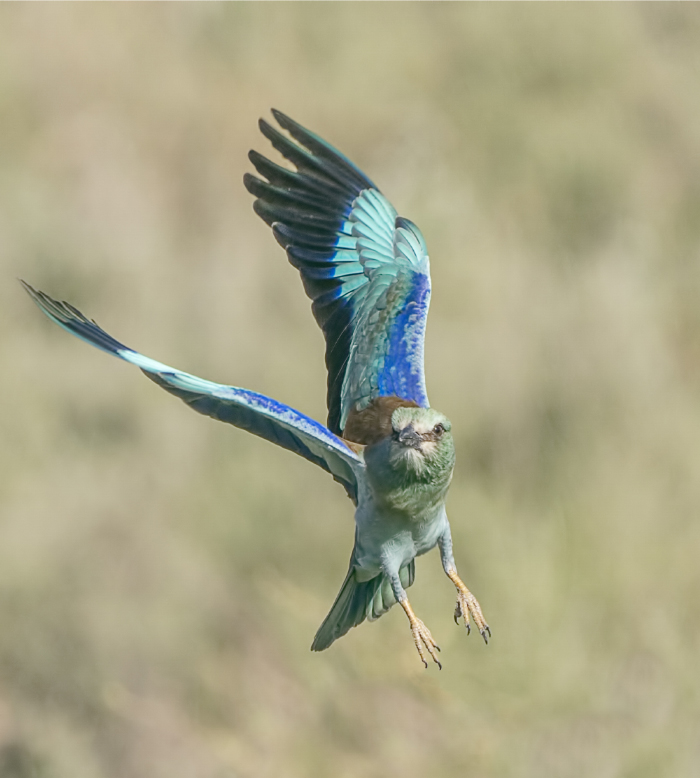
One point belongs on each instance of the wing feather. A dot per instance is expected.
(247, 410)
(365, 268)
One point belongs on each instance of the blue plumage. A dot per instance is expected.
(402, 374)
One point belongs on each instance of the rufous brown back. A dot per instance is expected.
(373, 423)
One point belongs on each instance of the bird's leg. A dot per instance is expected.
(421, 634)
(467, 604)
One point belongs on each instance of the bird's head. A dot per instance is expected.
(421, 438)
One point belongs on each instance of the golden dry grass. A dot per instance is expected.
(162, 576)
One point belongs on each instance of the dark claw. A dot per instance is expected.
(484, 636)
(424, 662)
(438, 664)
(458, 616)
(438, 648)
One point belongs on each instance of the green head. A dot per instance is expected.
(421, 441)
(410, 468)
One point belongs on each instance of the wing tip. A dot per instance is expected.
(252, 184)
(280, 117)
(30, 290)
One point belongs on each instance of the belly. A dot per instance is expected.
(394, 538)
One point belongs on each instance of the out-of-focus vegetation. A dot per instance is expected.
(162, 575)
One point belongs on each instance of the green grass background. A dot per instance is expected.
(162, 575)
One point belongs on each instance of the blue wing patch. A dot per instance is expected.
(248, 410)
(365, 268)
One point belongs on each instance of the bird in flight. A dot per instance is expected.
(367, 272)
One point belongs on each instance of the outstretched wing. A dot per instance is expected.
(250, 411)
(365, 268)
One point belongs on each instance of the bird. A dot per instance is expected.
(367, 272)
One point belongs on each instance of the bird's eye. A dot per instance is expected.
(438, 429)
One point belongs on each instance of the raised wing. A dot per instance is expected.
(250, 411)
(365, 268)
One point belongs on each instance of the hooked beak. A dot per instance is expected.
(410, 438)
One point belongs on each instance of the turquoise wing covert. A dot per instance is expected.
(365, 268)
(247, 410)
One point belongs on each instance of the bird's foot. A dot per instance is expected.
(467, 605)
(421, 637)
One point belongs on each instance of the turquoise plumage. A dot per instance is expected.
(367, 272)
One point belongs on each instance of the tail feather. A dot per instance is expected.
(357, 601)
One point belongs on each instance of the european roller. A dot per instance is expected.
(367, 272)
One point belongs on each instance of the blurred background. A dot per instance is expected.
(162, 575)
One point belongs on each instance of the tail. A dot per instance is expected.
(357, 601)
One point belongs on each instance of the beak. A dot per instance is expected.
(410, 438)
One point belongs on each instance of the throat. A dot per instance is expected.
(407, 481)
(413, 464)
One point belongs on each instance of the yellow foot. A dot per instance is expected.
(467, 605)
(422, 637)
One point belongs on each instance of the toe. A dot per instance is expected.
(424, 642)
